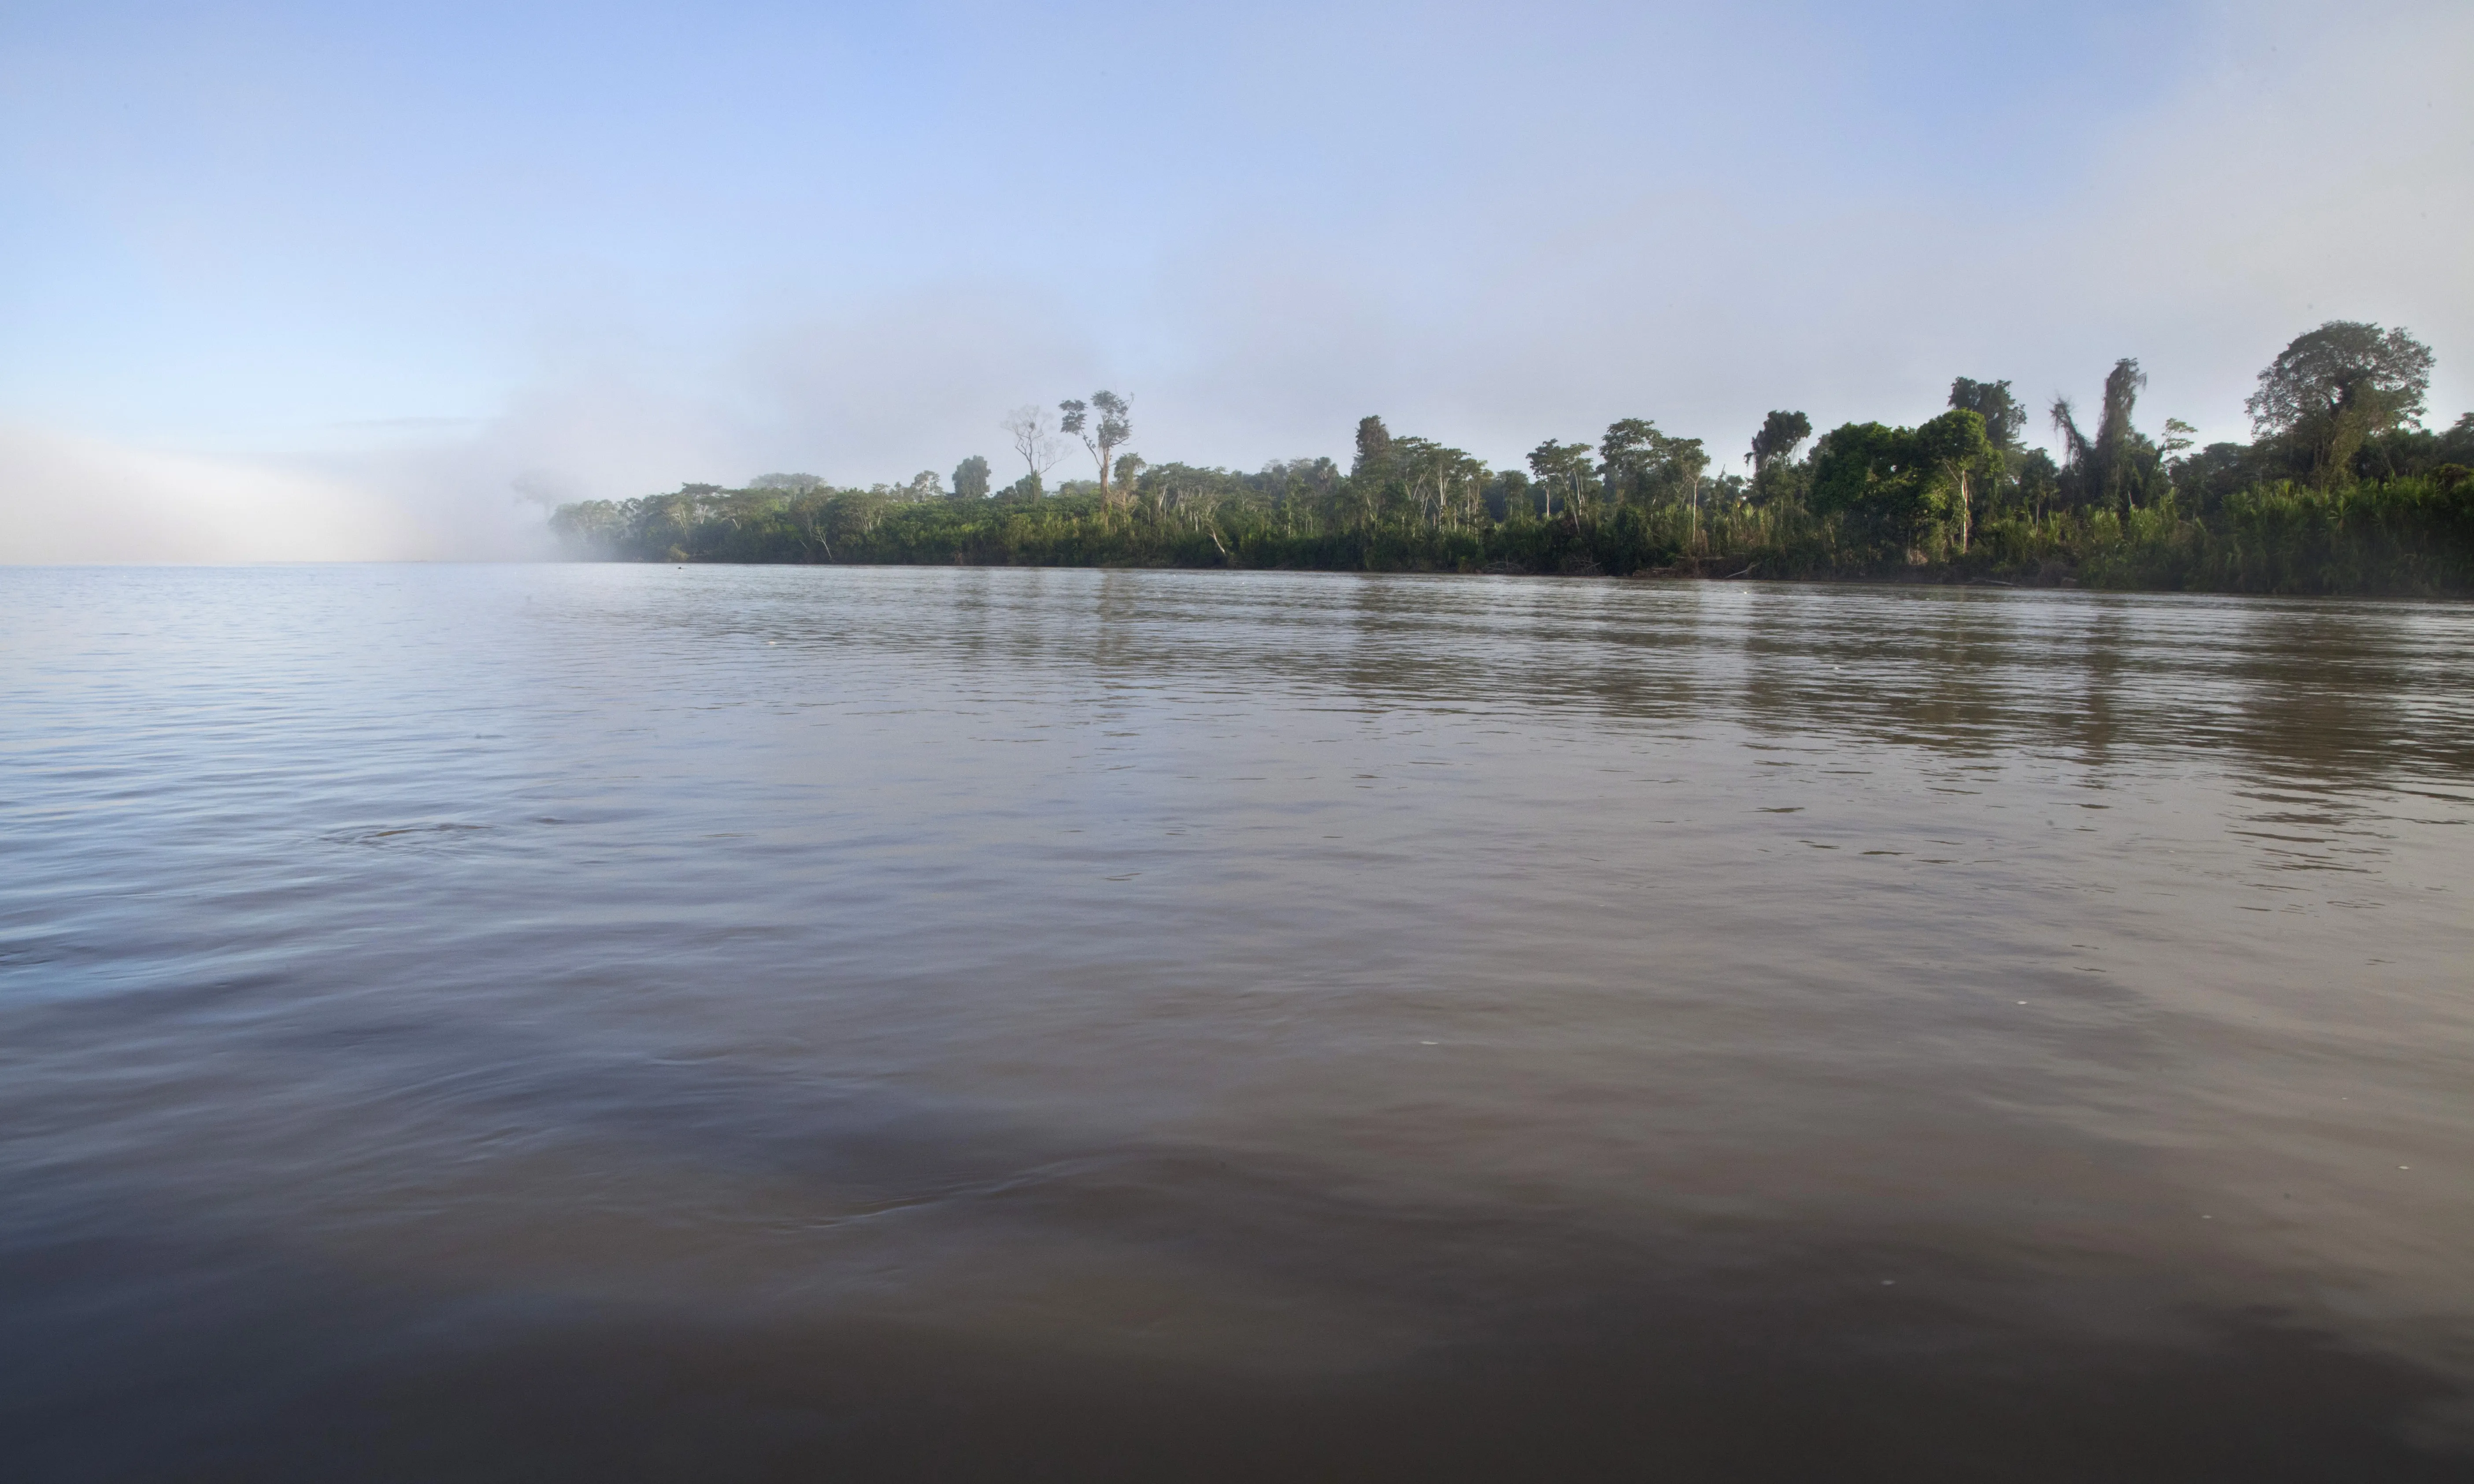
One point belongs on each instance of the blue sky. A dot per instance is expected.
(392, 262)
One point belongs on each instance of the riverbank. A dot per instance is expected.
(2397, 537)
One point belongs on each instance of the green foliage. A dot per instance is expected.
(2333, 388)
(2120, 469)
(1776, 443)
(1879, 510)
(1951, 451)
(1644, 467)
(1374, 442)
(2003, 414)
(1877, 483)
(1104, 425)
(971, 478)
(1952, 499)
(1563, 469)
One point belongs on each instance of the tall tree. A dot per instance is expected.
(1642, 464)
(1506, 496)
(2332, 387)
(2122, 385)
(1630, 455)
(1564, 467)
(1951, 447)
(1865, 473)
(1374, 445)
(1035, 441)
(1442, 482)
(1773, 456)
(1102, 436)
(2112, 467)
(2005, 416)
(1776, 441)
(1688, 461)
(971, 478)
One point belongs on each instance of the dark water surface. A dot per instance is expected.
(608, 1022)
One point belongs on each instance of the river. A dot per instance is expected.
(605, 1022)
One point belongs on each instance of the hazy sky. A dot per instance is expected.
(333, 279)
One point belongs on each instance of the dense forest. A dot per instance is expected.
(2342, 490)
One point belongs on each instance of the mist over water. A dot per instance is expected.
(604, 1022)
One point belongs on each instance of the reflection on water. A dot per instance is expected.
(607, 1022)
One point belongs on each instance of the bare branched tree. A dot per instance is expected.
(1034, 438)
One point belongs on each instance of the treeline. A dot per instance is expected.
(2342, 490)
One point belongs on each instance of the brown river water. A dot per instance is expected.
(594, 1022)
